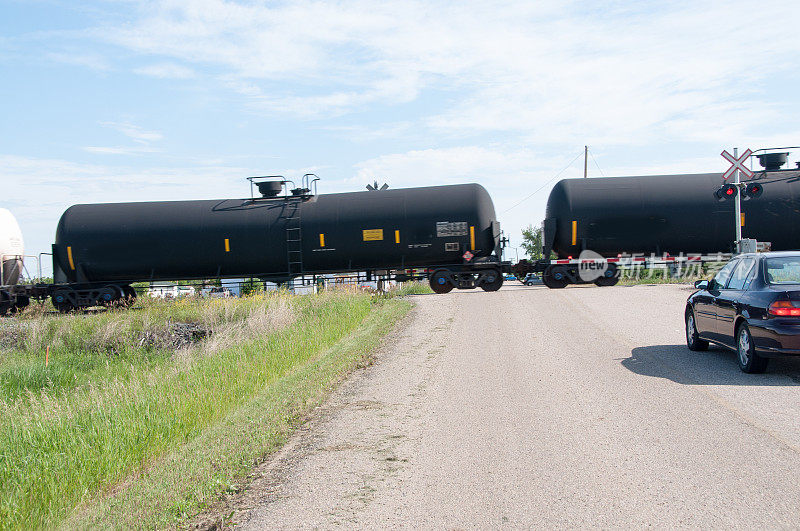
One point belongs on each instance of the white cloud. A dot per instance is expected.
(120, 150)
(362, 133)
(450, 165)
(87, 60)
(134, 132)
(549, 71)
(143, 139)
(166, 71)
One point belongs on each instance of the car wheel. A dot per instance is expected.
(440, 282)
(749, 360)
(693, 340)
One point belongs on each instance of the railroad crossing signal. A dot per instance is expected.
(726, 191)
(737, 164)
(731, 191)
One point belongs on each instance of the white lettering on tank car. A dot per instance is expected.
(446, 229)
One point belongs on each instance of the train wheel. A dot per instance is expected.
(5, 302)
(602, 281)
(109, 295)
(21, 303)
(440, 282)
(555, 278)
(609, 278)
(62, 301)
(492, 280)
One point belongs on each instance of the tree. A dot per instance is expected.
(532, 242)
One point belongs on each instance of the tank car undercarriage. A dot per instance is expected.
(487, 276)
(77, 296)
(66, 297)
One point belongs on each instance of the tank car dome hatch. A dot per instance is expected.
(11, 248)
(772, 161)
(270, 188)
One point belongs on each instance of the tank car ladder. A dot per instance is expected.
(294, 238)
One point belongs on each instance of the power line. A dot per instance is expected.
(545, 184)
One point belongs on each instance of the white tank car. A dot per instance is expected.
(11, 248)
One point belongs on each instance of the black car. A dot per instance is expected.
(751, 306)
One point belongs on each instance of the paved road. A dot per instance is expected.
(536, 407)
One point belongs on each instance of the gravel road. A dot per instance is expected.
(536, 407)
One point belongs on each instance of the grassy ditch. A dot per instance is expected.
(142, 417)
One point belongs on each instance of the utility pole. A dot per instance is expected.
(585, 161)
(738, 201)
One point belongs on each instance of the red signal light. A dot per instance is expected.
(753, 190)
(726, 191)
(784, 309)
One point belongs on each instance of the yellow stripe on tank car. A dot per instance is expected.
(742, 219)
(472, 237)
(227, 245)
(69, 256)
(321, 240)
(575, 232)
(397, 236)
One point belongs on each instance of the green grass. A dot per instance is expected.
(630, 277)
(412, 288)
(185, 424)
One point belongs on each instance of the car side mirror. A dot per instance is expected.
(701, 284)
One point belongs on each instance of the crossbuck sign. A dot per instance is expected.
(737, 164)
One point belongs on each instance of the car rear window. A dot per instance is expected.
(784, 270)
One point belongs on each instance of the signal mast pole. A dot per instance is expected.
(585, 161)
(738, 201)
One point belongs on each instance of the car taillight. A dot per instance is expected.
(784, 309)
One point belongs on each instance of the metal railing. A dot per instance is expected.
(20, 266)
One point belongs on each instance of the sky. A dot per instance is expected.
(126, 100)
